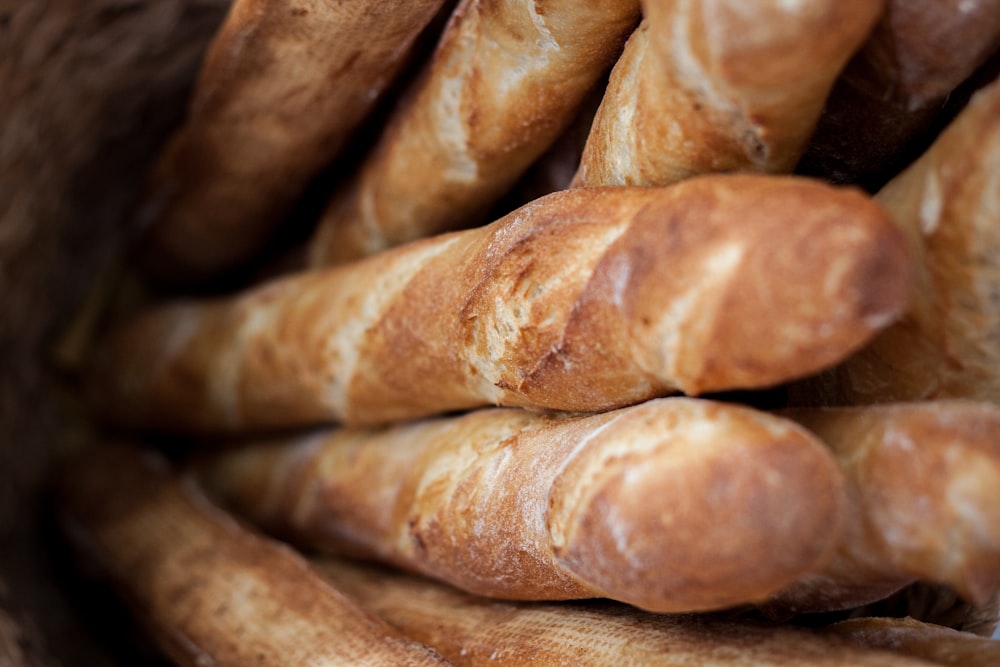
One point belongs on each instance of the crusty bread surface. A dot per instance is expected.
(505, 80)
(896, 89)
(584, 300)
(279, 93)
(678, 504)
(948, 343)
(473, 631)
(922, 482)
(706, 87)
(210, 591)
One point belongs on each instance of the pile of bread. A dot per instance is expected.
(720, 377)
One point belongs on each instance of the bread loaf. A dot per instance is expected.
(505, 80)
(894, 91)
(677, 504)
(923, 481)
(210, 591)
(584, 300)
(280, 90)
(719, 86)
(473, 631)
(948, 344)
(907, 636)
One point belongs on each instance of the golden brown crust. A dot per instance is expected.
(584, 300)
(708, 87)
(281, 87)
(473, 631)
(948, 344)
(922, 480)
(934, 643)
(674, 505)
(893, 90)
(554, 170)
(505, 80)
(211, 591)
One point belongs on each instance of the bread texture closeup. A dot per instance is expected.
(922, 480)
(505, 81)
(208, 590)
(948, 204)
(501, 332)
(712, 86)
(677, 504)
(473, 631)
(585, 300)
(279, 93)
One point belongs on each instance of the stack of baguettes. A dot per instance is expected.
(735, 403)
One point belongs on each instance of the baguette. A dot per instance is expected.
(907, 636)
(711, 86)
(472, 631)
(677, 504)
(281, 89)
(505, 80)
(584, 300)
(893, 92)
(923, 481)
(210, 591)
(948, 344)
